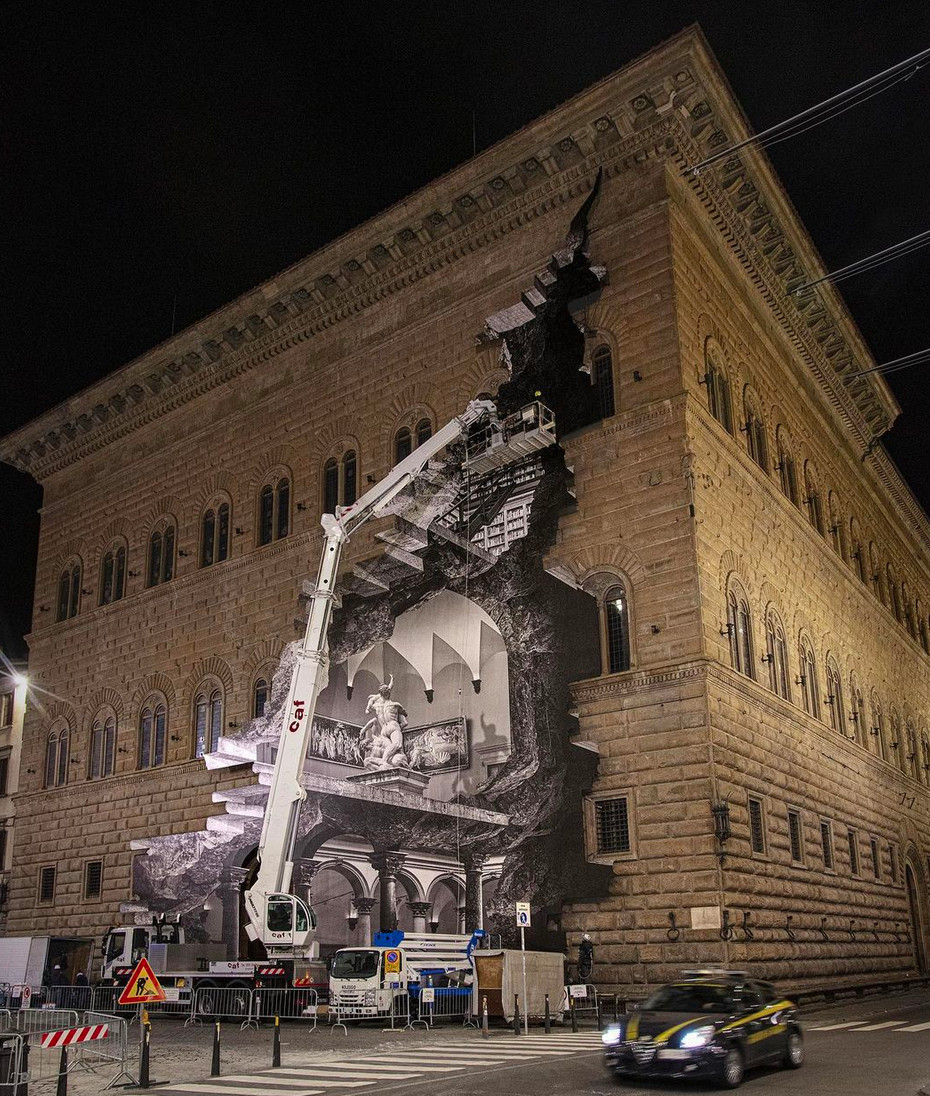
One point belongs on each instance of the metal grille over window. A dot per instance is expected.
(876, 860)
(603, 379)
(826, 840)
(260, 698)
(613, 825)
(617, 623)
(756, 826)
(47, 885)
(853, 852)
(794, 836)
(93, 878)
(893, 860)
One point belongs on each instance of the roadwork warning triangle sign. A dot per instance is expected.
(142, 986)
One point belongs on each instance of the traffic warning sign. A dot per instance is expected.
(142, 986)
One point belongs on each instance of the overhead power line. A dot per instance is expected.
(897, 364)
(896, 251)
(824, 111)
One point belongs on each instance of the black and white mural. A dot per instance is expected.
(444, 734)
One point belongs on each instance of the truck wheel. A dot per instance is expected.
(206, 999)
(238, 999)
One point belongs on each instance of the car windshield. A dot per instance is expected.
(355, 964)
(697, 997)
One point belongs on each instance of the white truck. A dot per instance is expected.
(28, 961)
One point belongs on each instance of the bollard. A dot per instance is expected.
(571, 1008)
(215, 1066)
(484, 1016)
(548, 1017)
(276, 1051)
(600, 1019)
(516, 1014)
(144, 1062)
(62, 1089)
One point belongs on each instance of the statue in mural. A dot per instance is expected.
(385, 748)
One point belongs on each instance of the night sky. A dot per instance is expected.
(158, 163)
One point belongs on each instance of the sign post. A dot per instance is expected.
(523, 923)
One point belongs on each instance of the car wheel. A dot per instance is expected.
(732, 1069)
(794, 1052)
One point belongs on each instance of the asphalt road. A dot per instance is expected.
(876, 1047)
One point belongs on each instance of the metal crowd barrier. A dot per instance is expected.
(397, 1014)
(37, 1021)
(5, 994)
(445, 1003)
(70, 997)
(106, 999)
(223, 1003)
(14, 1061)
(585, 1005)
(287, 1002)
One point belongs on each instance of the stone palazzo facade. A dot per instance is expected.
(733, 761)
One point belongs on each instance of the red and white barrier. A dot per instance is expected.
(69, 1036)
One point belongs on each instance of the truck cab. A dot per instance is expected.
(125, 945)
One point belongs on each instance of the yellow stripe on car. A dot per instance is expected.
(632, 1028)
(671, 1031)
(775, 1029)
(757, 1015)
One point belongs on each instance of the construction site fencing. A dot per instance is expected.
(33, 1021)
(286, 1002)
(343, 1009)
(14, 1058)
(223, 1003)
(582, 1001)
(37, 1064)
(445, 1003)
(5, 994)
(71, 997)
(106, 999)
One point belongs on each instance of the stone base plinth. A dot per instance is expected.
(401, 780)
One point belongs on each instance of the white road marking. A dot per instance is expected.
(335, 1069)
(298, 1082)
(879, 1027)
(916, 1027)
(233, 1090)
(835, 1027)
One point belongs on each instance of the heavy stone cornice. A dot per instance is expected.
(672, 100)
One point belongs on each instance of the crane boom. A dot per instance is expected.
(281, 920)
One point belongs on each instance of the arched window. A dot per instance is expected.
(69, 591)
(330, 486)
(602, 377)
(836, 527)
(810, 690)
(910, 764)
(616, 611)
(113, 574)
(857, 552)
(403, 444)
(754, 427)
(877, 730)
(924, 759)
(56, 757)
(259, 697)
(922, 630)
(214, 535)
(718, 386)
(878, 586)
(424, 431)
(857, 713)
(893, 594)
(208, 720)
(812, 498)
(910, 620)
(160, 566)
(739, 628)
(787, 470)
(349, 478)
(274, 506)
(895, 746)
(777, 656)
(835, 698)
(102, 761)
(153, 731)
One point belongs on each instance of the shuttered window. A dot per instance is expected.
(826, 840)
(47, 884)
(756, 825)
(93, 878)
(876, 858)
(794, 837)
(853, 852)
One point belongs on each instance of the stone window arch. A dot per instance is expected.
(754, 427)
(161, 552)
(810, 687)
(739, 629)
(215, 528)
(340, 480)
(209, 705)
(786, 466)
(835, 698)
(602, 378)
(113, 573)
(836, 527)
(274, 507)
(153, 732)
(69, 589)
(57, 755)
(812, 497)
(717, 379)
(101, 759)
(611, 592)
(776, 655)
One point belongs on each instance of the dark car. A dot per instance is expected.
(710, 1025)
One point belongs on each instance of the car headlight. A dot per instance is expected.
(612, 1035)
(699, 1037)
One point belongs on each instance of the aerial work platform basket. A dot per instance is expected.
(497, 444)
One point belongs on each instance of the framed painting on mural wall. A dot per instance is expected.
(439, 747)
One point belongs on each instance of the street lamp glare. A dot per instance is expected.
(20, 679)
